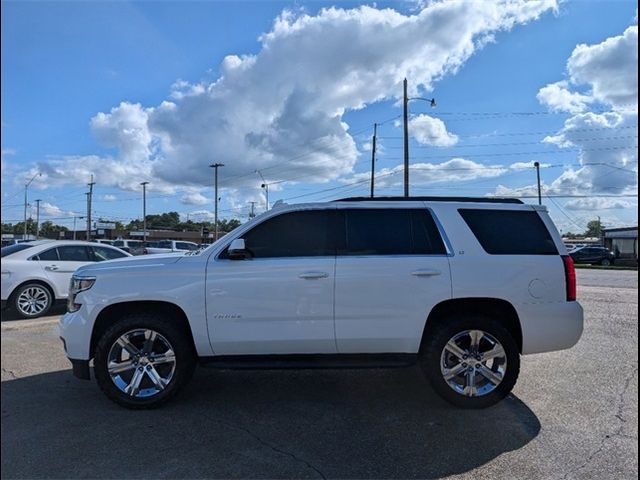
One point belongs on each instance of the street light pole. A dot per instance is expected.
(373, 156)
(144, 212)
(74, 225)
(26, 188)
(264, 185)
(215, 167)
(38, 218)
(537, 165)
(405, 114)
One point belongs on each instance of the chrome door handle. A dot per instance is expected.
(51, 267)
(426, 272)
(311, 275)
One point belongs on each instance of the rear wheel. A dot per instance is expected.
(143, 361)
(32, 300)
(471, 362)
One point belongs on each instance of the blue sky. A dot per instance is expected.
(83, 86)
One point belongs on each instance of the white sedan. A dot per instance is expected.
(35, 274)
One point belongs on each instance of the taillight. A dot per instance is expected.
(570, 278)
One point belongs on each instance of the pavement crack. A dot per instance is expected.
(276, 449)
(10, 373)
(617, 433)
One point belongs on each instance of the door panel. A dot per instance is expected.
(382, 302)
(59, 272)
(271, 306)
(390, 271)
(280, 301)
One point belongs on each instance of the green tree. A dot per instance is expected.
(18, 228)
(50, 230)
(594, 228)
(7, 228)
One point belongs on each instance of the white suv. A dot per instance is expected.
(461, 287)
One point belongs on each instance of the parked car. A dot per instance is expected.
(35, 274)
(461, 287)
(128, 245)
(104, 241)
(6, 243)
(168, 246)
(593, 255)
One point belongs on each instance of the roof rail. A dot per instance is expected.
(432, 199)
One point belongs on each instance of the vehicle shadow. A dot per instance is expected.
(58, 308)
(258, 424)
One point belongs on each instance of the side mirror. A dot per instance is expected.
(237, 250)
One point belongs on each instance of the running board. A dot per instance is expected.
(328, 361)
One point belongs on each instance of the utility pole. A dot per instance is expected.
(144, 212)
(26, 188)
(252, 214)
(215, 167)
(373, 156)
(537, 165)
(405, 114)
(89, 201)
(38, 218)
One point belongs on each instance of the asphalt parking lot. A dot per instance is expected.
(573, 414)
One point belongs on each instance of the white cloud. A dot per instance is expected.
(108, 198)
(454, 170)
(559, 98)
(610, 68)
(431, 131)
(596, 204)
(525, 165)
(281, 109)
(49, 210)
(606, 142)
(195, 199)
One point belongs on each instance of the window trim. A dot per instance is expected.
(516, 210)
(86, 247)
(439, 228)
(449, 252)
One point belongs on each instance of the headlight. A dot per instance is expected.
(77, 285)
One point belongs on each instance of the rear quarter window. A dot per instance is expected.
(510, 232)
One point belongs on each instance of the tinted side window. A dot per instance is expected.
(100, 254)
(390, 232)
(118, 243)
(185, 246)
(294, 234)
(510, 232)
(48, 255)
(74, 253)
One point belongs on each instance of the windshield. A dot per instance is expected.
(18, 247)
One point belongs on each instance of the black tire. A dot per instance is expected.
(605, 262)
(185, 359)
(446, 329)
(34, 286)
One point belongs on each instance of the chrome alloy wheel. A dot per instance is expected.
(473, 363)
(141, 363)
(33, 300)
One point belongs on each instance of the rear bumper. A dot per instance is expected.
(548, 327)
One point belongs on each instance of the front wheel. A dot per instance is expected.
(471, 362)
(32, 300)
(143, 360)
(605, 262)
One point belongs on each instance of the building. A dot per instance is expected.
(623, 242)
